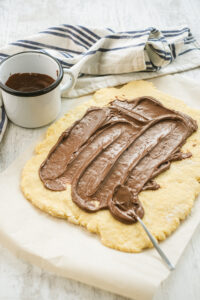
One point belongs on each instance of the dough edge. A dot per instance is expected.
(164, 208)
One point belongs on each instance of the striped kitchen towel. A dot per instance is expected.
(100, 58)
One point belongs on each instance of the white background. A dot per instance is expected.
(18, 19)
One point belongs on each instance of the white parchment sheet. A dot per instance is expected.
(70, 251)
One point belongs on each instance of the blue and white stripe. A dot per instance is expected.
(102, 52)
(71, 43)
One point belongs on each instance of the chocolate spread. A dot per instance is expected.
(29, 82)
(113, 153)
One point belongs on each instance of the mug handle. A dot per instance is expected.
(70, 83)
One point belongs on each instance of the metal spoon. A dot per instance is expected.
(155, 243)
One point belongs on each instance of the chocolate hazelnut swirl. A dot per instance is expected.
(113, 153)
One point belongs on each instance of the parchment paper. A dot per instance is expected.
(70, 251)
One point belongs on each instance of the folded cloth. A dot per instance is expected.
(101, 58)
(3, 120)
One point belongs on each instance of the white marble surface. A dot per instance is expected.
(19, 18)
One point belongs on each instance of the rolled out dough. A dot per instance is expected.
(164, 208)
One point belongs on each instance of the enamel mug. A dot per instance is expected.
(37, 108)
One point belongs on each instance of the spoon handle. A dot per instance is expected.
(155, 243)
